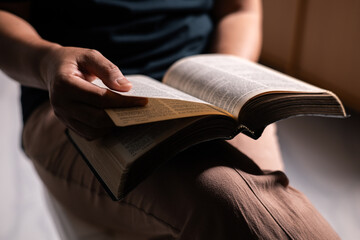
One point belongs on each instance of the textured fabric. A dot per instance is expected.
(211, 191)
(140, 37)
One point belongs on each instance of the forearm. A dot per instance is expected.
(22, 50)
(240, 32)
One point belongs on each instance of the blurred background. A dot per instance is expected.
(316, 41)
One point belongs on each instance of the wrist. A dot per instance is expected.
(44, 55)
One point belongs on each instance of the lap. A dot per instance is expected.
(212, 185)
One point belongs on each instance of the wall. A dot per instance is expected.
(316, 41)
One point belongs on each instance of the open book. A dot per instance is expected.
(201, 98)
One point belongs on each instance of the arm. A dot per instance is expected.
(238, 29)
(238, 32)
(21, 48)
(66, 72)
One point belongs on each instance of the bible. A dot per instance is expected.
(201, 98)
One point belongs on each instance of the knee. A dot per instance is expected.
(219, 203)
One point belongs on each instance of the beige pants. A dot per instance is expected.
(211, 191)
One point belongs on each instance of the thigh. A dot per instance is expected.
(227, 196)
(211, 191)
(67, 177)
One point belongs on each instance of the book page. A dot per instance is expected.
(111, 156)
(128, 144)
(159, 109)
(144, 86)
(165, 103)
(228, 81)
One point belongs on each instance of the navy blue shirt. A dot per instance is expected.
(139, 36)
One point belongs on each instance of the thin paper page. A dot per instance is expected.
(128, 144)
(227, 81)
(161, 109)
(144, 86)
(165, 103)
(132, 142)
(124, 147)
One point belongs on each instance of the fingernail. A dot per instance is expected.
(123, 81)
(124, 86)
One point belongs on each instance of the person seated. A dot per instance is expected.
(217, 190)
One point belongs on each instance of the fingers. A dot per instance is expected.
(88, 115)
(88, 132)
(91, 94)
(95, 63)
(80, 105)
(87, 121)
(115, 100)
(75, 100)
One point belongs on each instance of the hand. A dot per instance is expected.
(68, 72)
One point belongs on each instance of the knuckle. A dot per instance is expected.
(62, 80)
(93, 53)
(110, 69)
(89, 55)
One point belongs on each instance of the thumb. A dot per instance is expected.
(96, 64)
